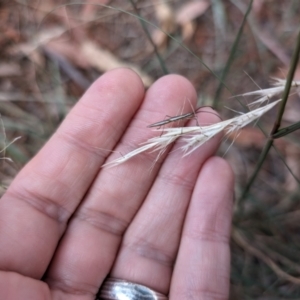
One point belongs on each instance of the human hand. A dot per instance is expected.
(66, 220)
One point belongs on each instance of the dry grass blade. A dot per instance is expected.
(6, 146)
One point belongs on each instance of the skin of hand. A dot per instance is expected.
(66, 223)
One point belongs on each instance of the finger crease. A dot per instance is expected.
(176, 180)
(101, 220)
(80, 145)
(208, 236)
(149, 251)
(194, 294)
(47, 206)
(72, 287)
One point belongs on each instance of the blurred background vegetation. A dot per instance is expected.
(51, 51)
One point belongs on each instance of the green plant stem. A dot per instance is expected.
(258, 166)
(286, 130)
(286, 92)
(231, 56)
(277, 123)
(160, 59)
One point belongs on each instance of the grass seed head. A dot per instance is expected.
(193, 137)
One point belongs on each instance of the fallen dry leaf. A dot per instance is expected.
(89, 10)
(40, 39)
(166, 20)
(68, 49)
(31, 49)
(104, 60)
(257, 6)
(190, 11)
(187, 13)
(10, 69)
(188, 30)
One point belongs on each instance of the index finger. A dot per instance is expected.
(35, 209)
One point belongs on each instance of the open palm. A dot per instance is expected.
(66, 223)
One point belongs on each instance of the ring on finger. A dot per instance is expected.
(118, 289)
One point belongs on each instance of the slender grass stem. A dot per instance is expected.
(231, 56)
(286, 130)
(277, 123)
(159, 58)
(285, 96)
(258, 166)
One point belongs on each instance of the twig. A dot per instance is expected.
(240, 239)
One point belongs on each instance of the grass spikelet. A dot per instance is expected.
(154, 144)
(193, 137)
(231, 125)
(264, 95)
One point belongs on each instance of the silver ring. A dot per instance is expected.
(118, 289)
